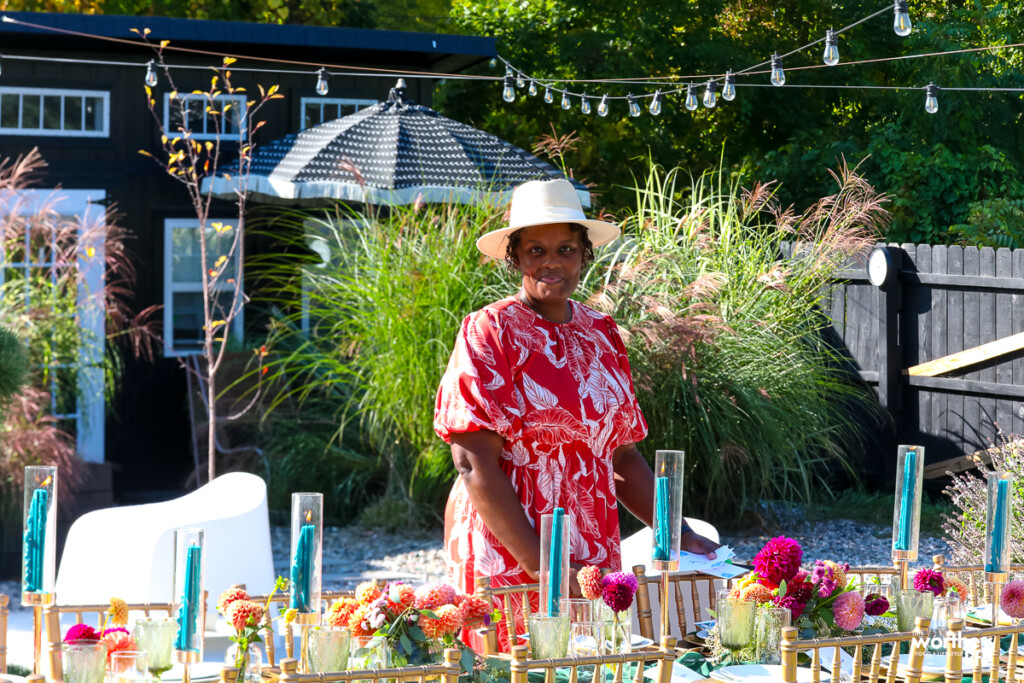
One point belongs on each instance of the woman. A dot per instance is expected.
(538, 406)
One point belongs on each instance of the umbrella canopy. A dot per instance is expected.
(390, 153)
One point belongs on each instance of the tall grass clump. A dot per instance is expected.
(719, 293)
(382, 315)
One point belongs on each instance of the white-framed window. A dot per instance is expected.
(52, 112)
(203, 120)
(183, 285)
(317, 110)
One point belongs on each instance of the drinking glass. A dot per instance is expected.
(736, 624)
(84, 661)
(549, 635)
(578, 609)
(128, 666)
(156, 638)
(768, 625)
(618, 628)
(328, 649)
(910, 605)
(587, 638)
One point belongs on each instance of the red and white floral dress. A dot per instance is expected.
(561, 395)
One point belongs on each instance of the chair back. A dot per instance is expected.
(280, 600)
(522, 665)
(509, 597)
(973, 576)
(448, 672)
(691, 595)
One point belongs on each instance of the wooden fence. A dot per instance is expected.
(942, 343)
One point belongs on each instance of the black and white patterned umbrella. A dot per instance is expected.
(392, 153)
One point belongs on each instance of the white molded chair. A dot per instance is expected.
(636, 549)
(127, 551)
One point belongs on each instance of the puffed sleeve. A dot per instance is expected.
(632, 415)
(476, 392)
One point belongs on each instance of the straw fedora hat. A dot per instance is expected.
(545, 202)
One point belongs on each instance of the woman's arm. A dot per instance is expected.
(477, 457)
(634, 487)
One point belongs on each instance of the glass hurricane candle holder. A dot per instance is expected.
(668, 509)
(549, 635)
(187, 594)
(906, 524)
(997, 523)
(328, 649)
(156, 637)
(84, 661)
(306, 552)
(39, 536)
(768, 625)
(554, 561)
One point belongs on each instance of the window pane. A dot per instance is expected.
(186, 262)
(51, 112)
(72, 113)
(187, 317)
(9, 110)
(94, 113)
(30, 111)
(311, 115)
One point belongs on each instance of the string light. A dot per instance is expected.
(321, 81)
(634, 108)
(729, 90)
(533, 88)
(778, 75)
(655, 107)
(509, 73)
(566, 104)
(931, 100)
(691, 98)
(151, 73)
(602, 107)
(520, 82)
(901, 23)
(585, 104)
(710, 97)
(508, 93)
(548, 97)
(831, 48)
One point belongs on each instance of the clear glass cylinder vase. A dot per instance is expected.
(84, 661)
(554, 561)
(997, 522)
(618, 628)
(39, 535)
(768, 625)
(668, 509)
(249, 664)
(906, 522)
(187, 593)
(306, 552)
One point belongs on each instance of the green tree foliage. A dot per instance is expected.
(941, 170)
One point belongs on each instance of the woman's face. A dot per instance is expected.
(550, 259)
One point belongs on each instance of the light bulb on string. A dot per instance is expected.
(548, 97)
(533, 88)
(710, 96)
(321, 81)
(585, 104)
(655, 107)
(729, 89)
(691, 98)
(492, 63)
(520, 81)
(831, 56)
(634, 108)
(901, 23)
(566, 104)
(602, 107)
(508, 71)
(151, 73)
(508, 93)
(931, 99)
(778, 75)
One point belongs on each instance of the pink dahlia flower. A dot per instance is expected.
(876, 605)
(928, 580)
(81, 632)
(1012, 600)
(848, 610)
(433, 595)
(118, 640)
(779, 559)
(619, 589)
(795, 607)
(589, 579)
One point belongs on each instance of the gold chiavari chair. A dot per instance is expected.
(448, 672)
(522, 665)
(866, 576)
(691, 594)
(52, 615)
(973, 576)
(5, 601)
(509, 597)
(280, 600)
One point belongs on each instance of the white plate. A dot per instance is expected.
(757, 673)
(936, 664)
(635, 640)
(202, 671)
(703, 634)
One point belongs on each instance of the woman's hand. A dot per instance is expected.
(693, 542)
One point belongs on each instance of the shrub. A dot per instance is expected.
(965, 529)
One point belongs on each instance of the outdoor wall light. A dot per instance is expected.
(880, 267)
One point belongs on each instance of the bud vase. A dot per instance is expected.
(250, 665)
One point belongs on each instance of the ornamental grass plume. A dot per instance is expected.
(928, 580)
(590, 581)
(619, 589)
(779, 559)
(848, 610)
(1012, 600)
(228, 597)
(876, 605)
(81, 632)
(118, 612)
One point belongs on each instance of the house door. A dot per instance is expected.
(85, 408)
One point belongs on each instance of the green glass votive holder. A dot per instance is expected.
(549, 635)
(327, 649)
(910, 605)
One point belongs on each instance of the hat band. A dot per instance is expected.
(550, 214)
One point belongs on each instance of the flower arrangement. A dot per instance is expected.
(412, 623)
(245, 617)
(112, 632)
(616, 591)
(1012, 599)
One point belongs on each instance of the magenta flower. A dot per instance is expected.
(876, 605)
(779, 559)
(929, 580)
(81, 632)
(824, 577)
(795, 607)
(848, 610)
(1012, 600)
(619, 589)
